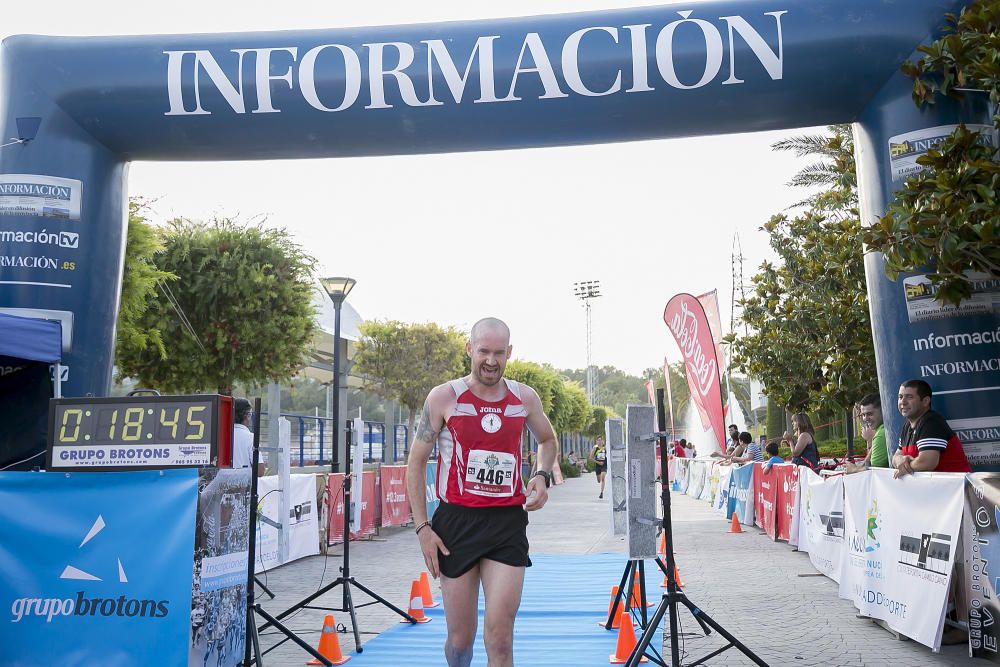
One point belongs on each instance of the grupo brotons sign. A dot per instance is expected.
(310, 71)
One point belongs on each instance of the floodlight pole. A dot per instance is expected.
(585, 291)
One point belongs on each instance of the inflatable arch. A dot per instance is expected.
(85, 107)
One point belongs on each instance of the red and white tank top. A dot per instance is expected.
(479, 449)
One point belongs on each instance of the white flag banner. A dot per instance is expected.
(721, 500)
(711, 479)
(696, 480)
(901, 536)
(821, 521)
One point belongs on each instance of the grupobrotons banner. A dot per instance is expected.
(821, 521)
(982, 555)
(901, 536)
(97, 567)
(303, 521)
(685, 317)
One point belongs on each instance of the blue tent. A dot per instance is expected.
(30, 339)
(27, 348)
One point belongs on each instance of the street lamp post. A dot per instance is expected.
(585, 291)
(337, 289)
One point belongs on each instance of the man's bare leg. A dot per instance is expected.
(502, 585)
(461, 611)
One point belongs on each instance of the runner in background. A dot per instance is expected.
(599, 457)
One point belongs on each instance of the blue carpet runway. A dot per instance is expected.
(564, 598)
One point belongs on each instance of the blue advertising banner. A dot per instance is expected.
(95, 568)
(432, 499)
(740, 495)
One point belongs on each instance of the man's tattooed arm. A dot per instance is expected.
(425, 431)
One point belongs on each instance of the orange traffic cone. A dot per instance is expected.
(416, 604)
(662, 550)
(622, 606)
(425, 592)
(664, 583)
(735, 527)
(329, 645)
(677, 577)
(626, 641)
(636, 593)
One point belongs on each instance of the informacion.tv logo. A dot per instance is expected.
(50, 607)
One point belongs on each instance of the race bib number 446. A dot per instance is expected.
(490, 473)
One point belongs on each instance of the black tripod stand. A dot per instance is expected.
(254, 609)
(345, 579)
(674, 595)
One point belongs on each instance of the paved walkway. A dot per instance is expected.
(754, 587)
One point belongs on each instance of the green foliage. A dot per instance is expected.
(543, 380)
(775, 419)
(808, 314)
(403, 362)
(140, 280)
(568, 469)
(246, 292)
(947, 217)
(564, 401)
(616, 388)
(599, 414)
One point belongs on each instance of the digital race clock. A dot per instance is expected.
(138, 432)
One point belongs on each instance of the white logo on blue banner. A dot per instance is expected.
(65, 593)
(721, 502)
(741, 494)
(901, 536)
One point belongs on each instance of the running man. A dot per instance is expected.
(478, 533)
(599, 457)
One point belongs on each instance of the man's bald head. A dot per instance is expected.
(492, 325)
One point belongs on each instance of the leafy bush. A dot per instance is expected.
(568, 469)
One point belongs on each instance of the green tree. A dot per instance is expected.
(945, 221)
(539, 378)
(140, 280)
(775, 419)
(599, 414)
(810, 340)
(403, 362)
(240, 309)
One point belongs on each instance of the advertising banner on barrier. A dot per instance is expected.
(901, 536)
(721, 502)
(740, 494)
(335, 533)
(97, 566)
(713, 484)
(395, 502)
(764, 487)
(696, 478)
(683, 471)
(432, 499)
(982, 555)
(706, 489)
(303, 520)
(821, 521)
(786, 481)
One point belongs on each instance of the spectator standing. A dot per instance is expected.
(873, 431)
(926, 443)
(243, 436)
(804, 452)
(679, 450)
(733, 447)
(772, 453)
(752, 453)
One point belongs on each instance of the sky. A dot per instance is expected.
(455, 237)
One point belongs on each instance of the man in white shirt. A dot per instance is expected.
(242, 435)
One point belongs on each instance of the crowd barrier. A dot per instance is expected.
(901, 550)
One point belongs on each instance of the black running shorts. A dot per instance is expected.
(600, 468)
(471, 533)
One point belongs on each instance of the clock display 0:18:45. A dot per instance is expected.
(134, 423)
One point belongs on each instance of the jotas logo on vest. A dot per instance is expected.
(49, 608)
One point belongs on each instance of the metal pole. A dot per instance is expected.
(335, 455)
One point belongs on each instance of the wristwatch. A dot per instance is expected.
(546, 475)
